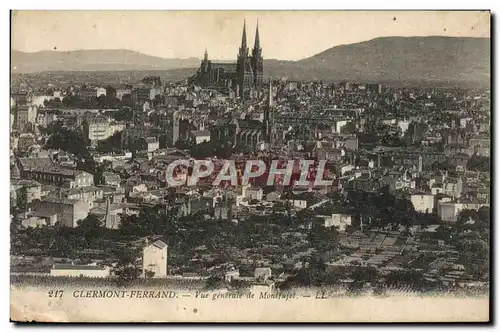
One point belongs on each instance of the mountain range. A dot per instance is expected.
(386, 59)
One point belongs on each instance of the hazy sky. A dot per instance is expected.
(285, 35)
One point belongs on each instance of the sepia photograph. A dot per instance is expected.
(293, 166)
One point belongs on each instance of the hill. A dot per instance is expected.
(407, 60)
(93, 60)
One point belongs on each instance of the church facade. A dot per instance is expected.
(243, 77)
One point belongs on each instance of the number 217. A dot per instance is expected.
(56, 293)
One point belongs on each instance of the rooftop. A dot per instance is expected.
(159, 244)
(77, 267)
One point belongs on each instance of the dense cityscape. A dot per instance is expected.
(407, 207)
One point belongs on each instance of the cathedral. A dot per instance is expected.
(244, 76)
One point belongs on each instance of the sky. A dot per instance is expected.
(284, 35)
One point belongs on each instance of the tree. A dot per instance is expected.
(479, 163)
(465, 216)
(404, 212)
(87, 164)
(75, 102)
(164, 141)
(364, 274)
(125, 269)
(484, 216)
(53, 103)
(212, 148)
(348, 128)
(472, 219)
(127, 100)
(361, 276)
(91, 223)
(314, 273)
(111, 144)
(323, 239)
(72, 141)
(91, 228)
(123, 114)
(101, 101)
(183, 145)
(213, 282)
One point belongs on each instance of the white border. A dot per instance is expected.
(195, 4)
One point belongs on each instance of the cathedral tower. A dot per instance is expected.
(257, 60)
(244, 72)
(243, 77)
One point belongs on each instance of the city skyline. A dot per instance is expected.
(285, 35)
(249, 189)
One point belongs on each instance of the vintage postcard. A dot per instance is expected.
(250, 166)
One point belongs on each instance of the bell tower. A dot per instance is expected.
(244, 66)
(257, 60)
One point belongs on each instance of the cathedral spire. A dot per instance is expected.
(244, 37)
(257, 39)
(206, 55)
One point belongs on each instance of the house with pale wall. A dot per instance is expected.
(154, 259)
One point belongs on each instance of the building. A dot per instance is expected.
(88, 194)
(423, 203)
(46, 117)
(154, 92)
(262, 273)
(150, 144)
(87, 92)
(352, 143)
(200, 136)
(298, 203)
(154, 259)
(241, 132)
(263, 288)
(19, 98)
(244, 76)
(80, 271)
(449, 211)
(140, 95)
(124, 91)
(175, 127)
(25, 141)
(111, 179)
(253, 193)
(37, 220)
(452, 187)
(100, 128)
(222, 212)
(101, 92)
(110, 93)
(339, 124)
(25, 115)
(43, 170)
(66, 178)
(231, 275)
(109, 213)
(68, 211)
(24, 192)
(339, 220)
